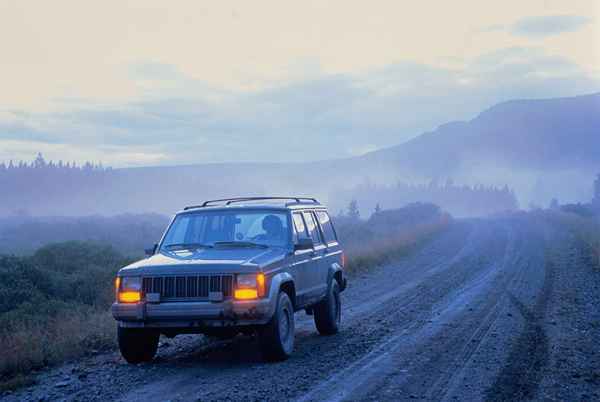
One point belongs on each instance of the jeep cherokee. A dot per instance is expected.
(237, 265)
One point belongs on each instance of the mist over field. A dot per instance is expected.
(515, 154)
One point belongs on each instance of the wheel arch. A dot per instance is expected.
(336, 273)
(283, 282)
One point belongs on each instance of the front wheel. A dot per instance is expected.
(328, 312)
(277, 337)
(137, 345)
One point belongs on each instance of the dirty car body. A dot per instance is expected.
(230, 266)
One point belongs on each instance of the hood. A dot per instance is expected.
(208, 260)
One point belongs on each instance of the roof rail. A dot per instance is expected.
(228, 201)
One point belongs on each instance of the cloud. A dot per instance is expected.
(543, 26)
(322, 117)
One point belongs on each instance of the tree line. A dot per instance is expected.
(39, 163)
(458, 199)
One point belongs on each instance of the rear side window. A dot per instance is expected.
(327, 226)
(311, 225)
(299, 225)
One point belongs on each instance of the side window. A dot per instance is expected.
(327, 226)
(299, 225)
(311, 225)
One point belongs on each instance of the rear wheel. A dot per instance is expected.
(277, 337)
(328, 312)
(137, 345)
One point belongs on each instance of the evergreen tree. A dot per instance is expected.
(353, 212)
(39, 161)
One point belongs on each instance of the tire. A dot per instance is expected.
(277, 337)
(137, 345)
(328, 312)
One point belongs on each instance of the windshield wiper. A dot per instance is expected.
(240, 244)
(187, 246)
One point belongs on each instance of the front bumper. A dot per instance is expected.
(194, 313)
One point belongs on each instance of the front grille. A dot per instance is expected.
(197, 287)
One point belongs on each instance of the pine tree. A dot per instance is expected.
(39, 161)
(353, 212)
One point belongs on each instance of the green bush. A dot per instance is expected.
(54, 305)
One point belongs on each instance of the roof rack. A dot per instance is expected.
(229, 201)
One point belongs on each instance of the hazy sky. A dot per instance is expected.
(145, 82)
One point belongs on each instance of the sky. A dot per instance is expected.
(138, 83)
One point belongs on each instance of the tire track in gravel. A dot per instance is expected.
(432, 361)
(520, 377)
(379, 370)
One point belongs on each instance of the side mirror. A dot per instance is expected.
(304, 243)
(150, 251)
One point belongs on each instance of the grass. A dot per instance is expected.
(33, 346)
(54, 306)
(586, 229)
(380, 252)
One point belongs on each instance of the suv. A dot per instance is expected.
(238, 265)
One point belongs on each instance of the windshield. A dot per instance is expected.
(227, 229)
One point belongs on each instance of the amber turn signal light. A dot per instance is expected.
(129, 297)
(245, 294)
(260, 284)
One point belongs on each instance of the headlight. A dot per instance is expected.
(131, 283)
(246, 281)
(250, 286)
(129, 289)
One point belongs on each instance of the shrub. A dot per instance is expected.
(586, 228)
(54, 305)
(388, 234)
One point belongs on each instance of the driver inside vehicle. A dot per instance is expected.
(273, 228)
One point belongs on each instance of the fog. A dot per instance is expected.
(518, 154)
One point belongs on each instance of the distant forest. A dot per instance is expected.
(29, 187)
(41, 188)
(459, 200)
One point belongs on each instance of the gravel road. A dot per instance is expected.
(496, 309)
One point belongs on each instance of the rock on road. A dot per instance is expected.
(496, 309)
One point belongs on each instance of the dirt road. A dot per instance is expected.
(503, 309)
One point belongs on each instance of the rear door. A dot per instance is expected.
(317, 270)
(302, 261)
(333, 253)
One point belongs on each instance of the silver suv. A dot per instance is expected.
(238, 265)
